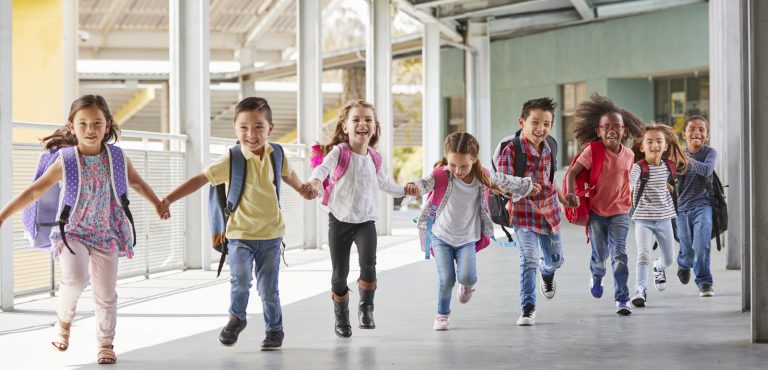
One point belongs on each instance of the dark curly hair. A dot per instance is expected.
(588, 115)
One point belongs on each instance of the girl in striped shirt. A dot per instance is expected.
(653, 198)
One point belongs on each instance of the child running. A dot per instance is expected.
(600, 121)
(463, 216)
(98, 230)
(536, 218)
(255, 229)
(352, 201)
(652, 179)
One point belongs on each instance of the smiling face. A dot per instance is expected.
(611, 131)
(89, 126)
(536, 126)
(460, 165)
(695, 134)
(360, 125)
(653, 146)
(253, 129)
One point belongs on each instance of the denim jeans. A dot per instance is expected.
(646, 231)
(465, 269)
(552, 259)
(609, 238)
(694, 228)
(266, 255)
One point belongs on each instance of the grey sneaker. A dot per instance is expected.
(705, 290)
(640, 297)
(548, 285)
(659, 277)
(623, 309)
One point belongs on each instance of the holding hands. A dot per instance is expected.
(162, 209)
(309, 191)
(412, 189)
(535, 189)
(571, 200)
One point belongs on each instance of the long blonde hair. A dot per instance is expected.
(338, 134)
(465, 143)
(674, 150)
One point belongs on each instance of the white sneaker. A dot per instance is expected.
(659, 277)
(527, 316)
(639, 299)
(465, 293)
(441, 322)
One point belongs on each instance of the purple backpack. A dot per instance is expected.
(55, 207)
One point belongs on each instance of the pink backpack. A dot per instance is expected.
(435, 197)
(316, 158)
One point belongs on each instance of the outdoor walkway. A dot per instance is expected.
(173, 321)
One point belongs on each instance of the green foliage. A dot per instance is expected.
(407, 164)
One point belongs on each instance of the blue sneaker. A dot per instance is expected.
(596, 286)
(623, 309)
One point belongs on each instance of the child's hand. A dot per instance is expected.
(535, 189)
(412, 189)
(572, 200)
(317, 186)
(163, 210)
(307, 191)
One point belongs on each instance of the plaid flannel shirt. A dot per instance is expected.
(540, 213)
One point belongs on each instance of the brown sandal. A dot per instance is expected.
(106, 356)
(61, 340)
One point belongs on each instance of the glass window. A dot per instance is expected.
(572, 95)
(678, 97)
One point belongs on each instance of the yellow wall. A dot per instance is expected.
(38, 64)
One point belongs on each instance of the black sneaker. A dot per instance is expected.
(684, 275)
(273, 341)
(230, 332)
(548, 285)
(705, 290)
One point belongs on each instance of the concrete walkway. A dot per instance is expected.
(172, 321)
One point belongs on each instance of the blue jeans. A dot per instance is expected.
(552, 259)
(645, 233)
(465, 258)
(694, 228)
(266, 255)
(609, 237)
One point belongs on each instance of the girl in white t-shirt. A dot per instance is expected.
(659, 156)
(462, 217)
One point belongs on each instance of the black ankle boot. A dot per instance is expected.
(365, 309)
(341, 310)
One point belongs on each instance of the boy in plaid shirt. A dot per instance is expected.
(536, 219)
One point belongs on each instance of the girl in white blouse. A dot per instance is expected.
(352, 205)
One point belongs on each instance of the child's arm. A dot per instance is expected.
(185, 188)
(294, 181)
(703, 168)
(634, 175)
(51, 176)
(321, 172)
(388, 185)
(140, 186)
(516, 187)
(571, 198)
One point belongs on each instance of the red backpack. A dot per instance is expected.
(584, 185)
(435, 197)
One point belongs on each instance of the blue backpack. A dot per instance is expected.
(223, 202)
(54, 208)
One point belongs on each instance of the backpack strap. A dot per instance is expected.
(237, 175)
(376, 157)
(671, 180)
(339, 171)
(71, 167)
(438, 191)
(645, 174)
(118, 169)
(553, 158)
(598, 159)
(276, 158)
(520, 161)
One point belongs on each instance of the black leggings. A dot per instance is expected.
(340, 238)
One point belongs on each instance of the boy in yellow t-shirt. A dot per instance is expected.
(255, 229)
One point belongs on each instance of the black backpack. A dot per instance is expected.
(716, 200)
(498, 202)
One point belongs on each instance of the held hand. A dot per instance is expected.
(317, 186)
(412, 189)
(163, 210)
(307, 191)
(573, 200)
(535, 190)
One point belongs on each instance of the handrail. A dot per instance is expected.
(123, 133)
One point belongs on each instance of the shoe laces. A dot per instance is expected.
(232, 324)
(528, 310)
(548, 283)
(273, 336)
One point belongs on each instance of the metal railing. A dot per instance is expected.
(159, 159)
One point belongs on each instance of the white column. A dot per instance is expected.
(70, 47)
(246, 57)
(478, 98)
(378, 82)
(6, 158)
(757, 17)
(310, 101)
(727, 99)
(190, 114)
(432, 126)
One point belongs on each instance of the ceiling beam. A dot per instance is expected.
(408, 8)
(643, 6)
(117, 10)
(151, 40)
(145, 54)
(531, 6)
(586, 11)
(533, 22)
(268, 18)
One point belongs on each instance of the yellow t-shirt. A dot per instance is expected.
(258, 215)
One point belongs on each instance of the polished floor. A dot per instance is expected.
(172, 321)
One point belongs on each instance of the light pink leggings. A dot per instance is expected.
(74, 279)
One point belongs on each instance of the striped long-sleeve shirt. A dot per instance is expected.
(693, 188)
